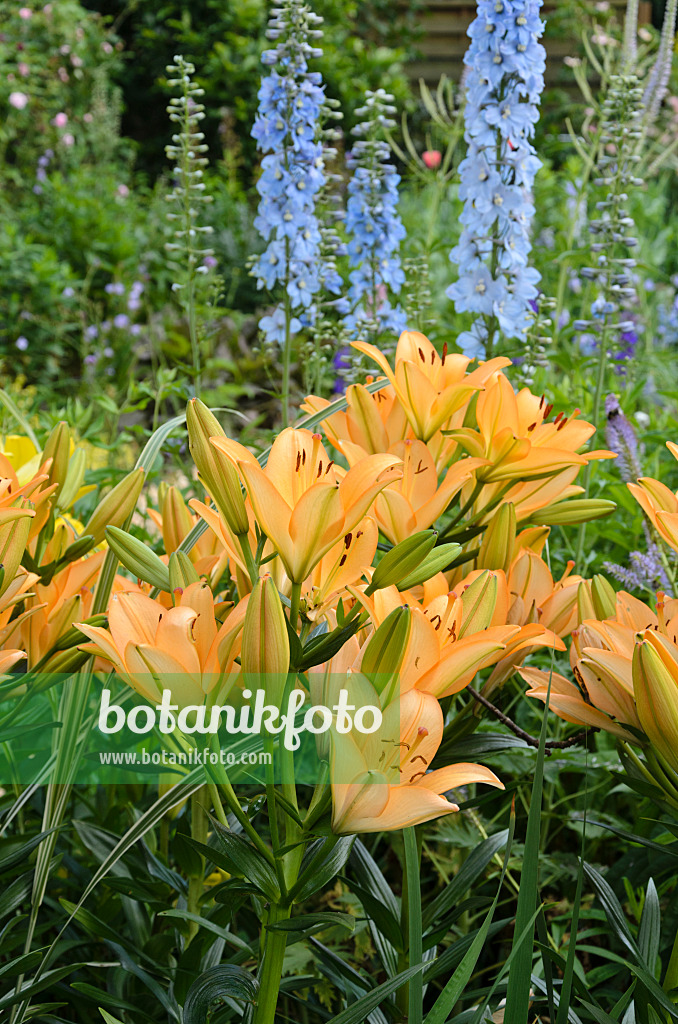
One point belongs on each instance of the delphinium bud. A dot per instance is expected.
(186, 151)
(373, 224)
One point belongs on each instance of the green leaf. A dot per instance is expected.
(613, 909)
(380, 916)
(443, 1005)
(321, 648)
(248, 861)
(649, 933)
(108, 1017)
(323, 861)
(13, 409)
(209, 926)
(358, 1011)
(309, 924)
(38, 984)
(218, 983)
(471, 869)
(520, 978)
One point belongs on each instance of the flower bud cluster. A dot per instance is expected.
(373, 223)
(505, 80)
(613, 228)
(186, 151)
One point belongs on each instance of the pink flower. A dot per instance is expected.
(68, 139)
(25, 13)
(87, 118)
(123, 191)
(60, 120)
(24, 69)
(107, 48)
(432, 158)
(18, 100)
(63, 74)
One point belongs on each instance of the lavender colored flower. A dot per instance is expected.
(503, 88)
(21, 343)
(621, 439)
(114, 288)
(373, 224)
(121, 321)
(285, 129)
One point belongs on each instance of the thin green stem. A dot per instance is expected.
(287, 350)
(412, 924)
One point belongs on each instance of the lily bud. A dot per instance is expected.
(655, 687)
(74, 479)
(575, 510)
(496, 550)
(176, 519)
(78, 548)
(585, 606)
(58, 449)
(384, 654)
(478, 602)
(217, 472)
(66, 663)
(15, 524)
(604, 597)
(265, 649)
(181, 571)
(402, 560)
(436, 561)
(75, 636)
(116, 507)
(139, 559)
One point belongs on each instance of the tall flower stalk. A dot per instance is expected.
(373, 224)
(286, 131)
(505, 81)
(189, 192)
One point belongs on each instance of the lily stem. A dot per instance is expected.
(196, 882)
(412, 923)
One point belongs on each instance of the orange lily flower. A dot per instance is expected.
(416, 501)
(455, 634)
(182, 649)
(380, 781)
(303, 503)
(659, 504)
(567, 702)
(430, 388)
(175, 522)
(514, 434)
(55, 606)
(655, 685)
(601, 656)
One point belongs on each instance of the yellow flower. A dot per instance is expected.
(302, 502)
(182, 649)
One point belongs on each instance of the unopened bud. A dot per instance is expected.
(265, 650)
(139, 559)
(401, 560)
(217, 471)
(116, 507)
(496, 550)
